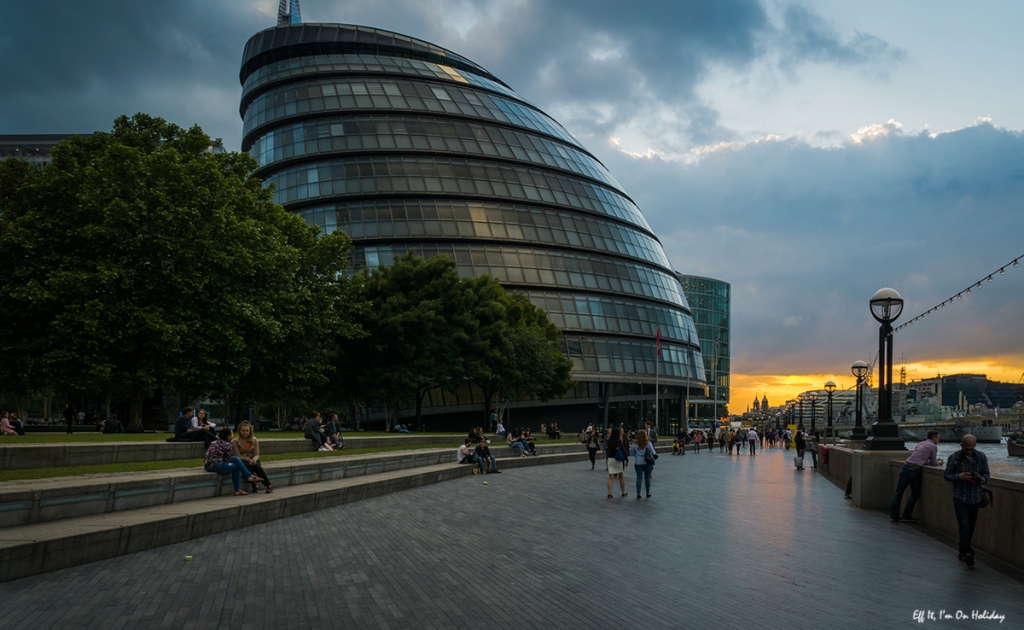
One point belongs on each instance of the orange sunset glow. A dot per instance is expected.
(783, 387)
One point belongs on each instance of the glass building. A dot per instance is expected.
(709, 301)
(407, 146)
(32, 147)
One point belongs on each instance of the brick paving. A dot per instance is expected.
(726, 542)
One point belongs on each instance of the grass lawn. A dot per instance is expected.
(74, 471)
(100, 438)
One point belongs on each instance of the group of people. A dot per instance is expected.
(618, 448)
(479, 455)
(324, 436)
(11, 424)
(521, 440)
(238, 457)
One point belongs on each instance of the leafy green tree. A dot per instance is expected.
(417, 322)
(514, 354)
(142, 258)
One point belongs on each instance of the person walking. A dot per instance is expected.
(617, 458)
(593, 443)
(815, 442)
(643, 461)
(967, 470)
(69, 416)
(801, 446)
(926, 453)
(752, 438)
(697, 436)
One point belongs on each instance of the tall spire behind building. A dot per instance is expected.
(288, 12)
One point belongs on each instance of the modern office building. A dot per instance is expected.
(32, 147)
(710, 304)
(407, 146)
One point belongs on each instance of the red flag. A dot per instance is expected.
(658, 337)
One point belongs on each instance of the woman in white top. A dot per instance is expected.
(640, 450)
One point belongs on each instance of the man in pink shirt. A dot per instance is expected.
(925, 454)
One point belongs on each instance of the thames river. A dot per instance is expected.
(999, 463)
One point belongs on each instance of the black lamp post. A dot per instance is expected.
(801, 398)
(860, 370)
(830, 387)
(886, 306)
(813, 397)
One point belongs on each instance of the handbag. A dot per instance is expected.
(619, 455)
(649, 457)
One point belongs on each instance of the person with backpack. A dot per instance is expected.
(643, 461)
(617, 456)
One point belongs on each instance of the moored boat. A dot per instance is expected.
(1014, 449)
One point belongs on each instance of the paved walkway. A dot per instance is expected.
(726, 542)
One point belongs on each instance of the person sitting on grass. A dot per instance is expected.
(112, 425)
(11, 425)
(247, 448)
(220, 460)
(183, 431)
(487, 461)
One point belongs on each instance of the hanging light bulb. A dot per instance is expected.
(1016, 264)
(978, 285)
(1002, 271)
(968, 290)
(990, 278)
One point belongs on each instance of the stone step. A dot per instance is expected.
(44, 500)
(42, 547)
(16, 456)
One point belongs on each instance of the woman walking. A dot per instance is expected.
(643, 461)
(801, 446)
(615, 450)
(247, 448)
(593, 443)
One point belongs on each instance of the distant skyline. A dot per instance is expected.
(808, 154)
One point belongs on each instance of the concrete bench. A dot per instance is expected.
(14, 456)
(47, 546)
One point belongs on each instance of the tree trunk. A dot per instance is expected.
(135, 417)
(488, 400)
(419, 409)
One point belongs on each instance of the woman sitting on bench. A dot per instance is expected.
(220, 460)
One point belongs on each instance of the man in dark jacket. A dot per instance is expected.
(183, 431)
(967, 469)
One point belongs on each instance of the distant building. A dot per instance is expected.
(966, 390)
(33, 147)
(710, 303)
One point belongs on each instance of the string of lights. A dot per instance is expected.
(959, 296)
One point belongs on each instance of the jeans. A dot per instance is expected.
(317, 439)
(593, 456)
(814, 458)
(494, 464)
(519, 446)
(199, 434)
(753, 447)
(909, 476)
(966, 518)
(643, 473)
(233, 466)
(257, 469)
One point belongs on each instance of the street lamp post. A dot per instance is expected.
(800, 398)
(813, 397)
(860, 370)
(830, 387)
(886, 306)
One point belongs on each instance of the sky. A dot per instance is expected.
(807, 153)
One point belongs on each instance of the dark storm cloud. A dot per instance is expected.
(75, 66)
(600, 65)
(806, 235)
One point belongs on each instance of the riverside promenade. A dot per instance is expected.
(725, 542)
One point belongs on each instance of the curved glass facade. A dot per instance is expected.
(711, 304)
(406, 146)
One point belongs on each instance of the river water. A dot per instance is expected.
(999, 463)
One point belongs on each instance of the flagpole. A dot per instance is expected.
(657, 361)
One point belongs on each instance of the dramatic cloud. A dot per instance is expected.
(807, 234)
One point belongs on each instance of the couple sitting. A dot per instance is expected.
(522, 442)
(481, 456)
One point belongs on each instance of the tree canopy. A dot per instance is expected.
(140, 258)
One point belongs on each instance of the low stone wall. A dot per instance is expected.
(839, 466)
(1000, 529)
(16, 456)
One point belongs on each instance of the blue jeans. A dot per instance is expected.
(235, 467)
(753, 447)
(643, 473)
(966, 518)
(909, 476)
